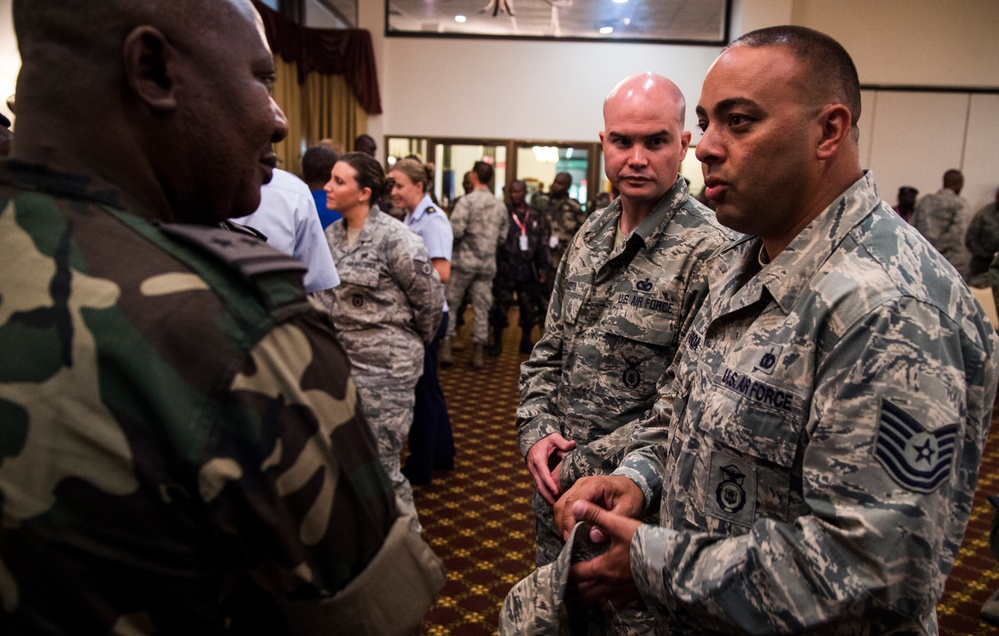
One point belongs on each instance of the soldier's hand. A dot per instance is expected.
(607, 577)
(548, 450)
(611, 492)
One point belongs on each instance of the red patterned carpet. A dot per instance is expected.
(478, 516)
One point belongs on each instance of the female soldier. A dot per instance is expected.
(387, 306)
(431, 445)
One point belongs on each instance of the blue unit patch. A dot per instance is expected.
(918, 460)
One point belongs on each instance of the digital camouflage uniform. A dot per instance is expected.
(830, 412)
(177, 419)
(564, 216)
(479, 223)
(943, 218)
(982, 241)
(520, 263)
(388, 305)
(614, 324)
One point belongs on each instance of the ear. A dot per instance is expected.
(836, 122)
(365, 194)
(684, 143)
(149, 68)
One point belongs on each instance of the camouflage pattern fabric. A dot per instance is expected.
(982, 241)
(176, 418)
(614, 324)
(831, 410)
(564, 216)
(389, 410)
(478, 288)
(943, 218)
(544, 604)
(536, 605)
(389, 302)
(479, 223)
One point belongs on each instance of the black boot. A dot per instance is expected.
(526, 346)
(497, 346)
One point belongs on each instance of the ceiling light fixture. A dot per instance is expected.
(607, 30)
(460, 19)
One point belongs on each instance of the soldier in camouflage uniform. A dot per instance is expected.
(624, 295)
(564, 216)
(387, 307)
(521, 266)
(817, 456)
(943, 218)
(183, 448)
(479, 223)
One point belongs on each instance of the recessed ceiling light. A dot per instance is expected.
(606, 30)
(461, 18)
(620, 1)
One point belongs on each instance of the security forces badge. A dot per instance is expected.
(731, 493)
(631, 377)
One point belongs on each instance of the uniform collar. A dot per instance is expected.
(339, 229)
(605, 221)
(31, 176)
(792, 270)
(420, 209)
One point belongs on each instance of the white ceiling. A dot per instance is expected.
(661, 20)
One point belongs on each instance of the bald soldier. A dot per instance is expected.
(182, 446)
(624, 295)
(817, 458)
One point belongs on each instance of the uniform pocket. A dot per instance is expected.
(747, 466)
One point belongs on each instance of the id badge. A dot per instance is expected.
(523, 242)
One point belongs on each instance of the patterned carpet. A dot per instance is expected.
(478, 517)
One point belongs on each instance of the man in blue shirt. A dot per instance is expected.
(317, 163)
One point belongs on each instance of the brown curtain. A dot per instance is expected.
(327, 84)
(323, 107)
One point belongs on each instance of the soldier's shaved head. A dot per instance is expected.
(647, 86)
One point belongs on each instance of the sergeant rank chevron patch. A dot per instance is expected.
(918, 460)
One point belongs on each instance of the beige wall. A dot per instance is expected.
(923, 42)
(553, 90)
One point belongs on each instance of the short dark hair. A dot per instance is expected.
(317, 162)
(369, 173)
(483, 171)
(363, 142)
(828, 67)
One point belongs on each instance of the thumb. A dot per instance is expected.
(583, 510)
(606, 524)
(564, 444)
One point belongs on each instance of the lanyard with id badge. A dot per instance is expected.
(523, 229)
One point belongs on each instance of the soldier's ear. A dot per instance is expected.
(149, 67)
(836, 122)
(365, 194)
